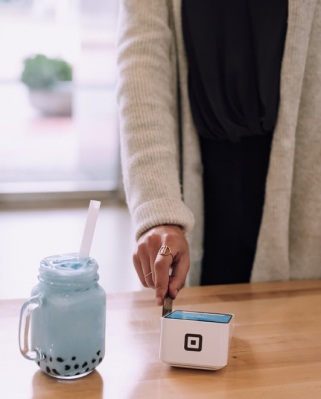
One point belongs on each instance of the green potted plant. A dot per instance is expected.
(50, 84)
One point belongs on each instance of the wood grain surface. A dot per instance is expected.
(275, 351)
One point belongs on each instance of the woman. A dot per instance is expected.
(163, 148)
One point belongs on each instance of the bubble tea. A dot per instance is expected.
(62, 326)
(67, 333)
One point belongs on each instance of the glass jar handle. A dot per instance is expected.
(24, 324)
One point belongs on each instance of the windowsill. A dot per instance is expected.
(44, 194)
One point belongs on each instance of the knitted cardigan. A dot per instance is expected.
(161, 160)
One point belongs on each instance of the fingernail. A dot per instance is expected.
(159, 301)
(175, 294)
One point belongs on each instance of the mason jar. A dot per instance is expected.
(62, 325)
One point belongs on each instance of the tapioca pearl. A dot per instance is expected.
(77, 374)
(67, 367)
(73, 358)
(55, 371)
(100, 359)
(98, 353)
(93, 361)
(59, 359)
(38, 364)
(44, 356)
(50, 359)
(87, 369)
(76, 366)
(84, 365)
(48, 369)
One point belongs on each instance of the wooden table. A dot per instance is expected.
(275, 351)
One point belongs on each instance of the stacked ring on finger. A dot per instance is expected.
(164, 250)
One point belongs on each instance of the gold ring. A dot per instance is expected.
(164, 250)
(148, 274)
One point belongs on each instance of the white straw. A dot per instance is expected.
(88, 235)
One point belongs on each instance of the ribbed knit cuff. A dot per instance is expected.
(162, 211)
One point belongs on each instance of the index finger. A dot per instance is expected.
(161, 267)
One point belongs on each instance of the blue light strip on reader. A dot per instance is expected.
(196, 316)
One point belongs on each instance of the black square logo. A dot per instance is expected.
(193, 342)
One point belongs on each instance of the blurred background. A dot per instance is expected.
(59, 142)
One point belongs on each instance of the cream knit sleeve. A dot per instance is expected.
(148, 126)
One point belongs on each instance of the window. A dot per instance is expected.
(50, 152)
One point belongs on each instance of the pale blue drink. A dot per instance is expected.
(68, 317)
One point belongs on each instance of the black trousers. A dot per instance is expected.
(234, 187)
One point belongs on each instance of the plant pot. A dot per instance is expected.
(54, 101)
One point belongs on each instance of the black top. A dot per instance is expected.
(234, 50)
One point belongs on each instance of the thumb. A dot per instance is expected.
(178, 277)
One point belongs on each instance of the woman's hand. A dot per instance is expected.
(147, 259)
